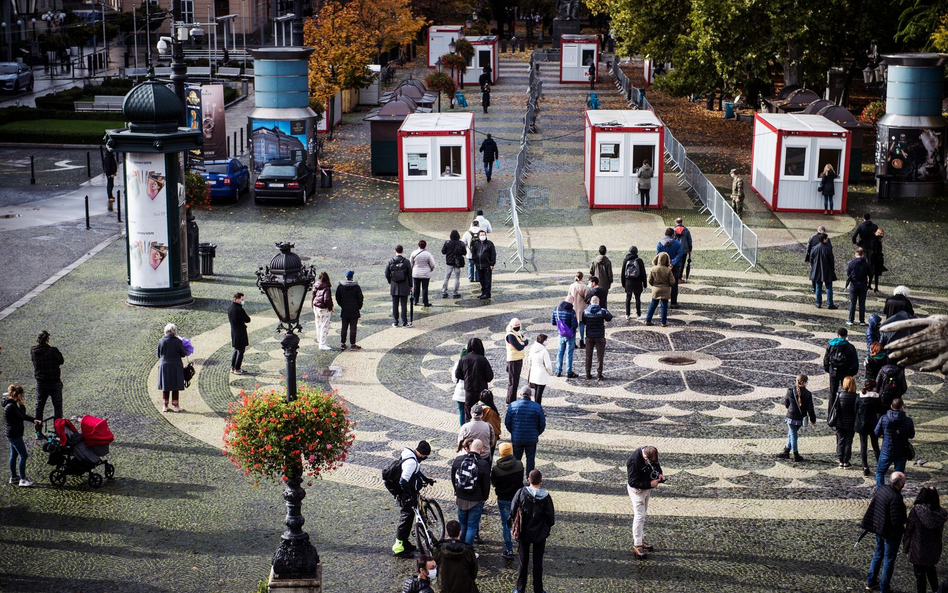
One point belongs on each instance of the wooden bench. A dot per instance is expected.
(101, 103)
(199, 71)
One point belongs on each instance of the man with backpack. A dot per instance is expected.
(839, 361)
(468, 238)
(601, 269)
(564, 318)
(890, 383)
(454, 251)
(895, 428)
(398, 275)
(633, 281)
(403, 478)
(470, 475)
(532, 518)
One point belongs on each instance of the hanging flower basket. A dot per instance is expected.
(441, 82)
(454, 62)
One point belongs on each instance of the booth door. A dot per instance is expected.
(832, 156)
(796, 189)
(483, 59)
(612, 186)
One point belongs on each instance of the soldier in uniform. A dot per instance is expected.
(737, 192)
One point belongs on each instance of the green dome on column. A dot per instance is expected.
(152, 107)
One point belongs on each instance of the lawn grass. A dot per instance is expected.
(67, 126)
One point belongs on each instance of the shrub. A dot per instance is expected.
(439, 81)
(197, 195)
(873, 113)
(464, 48)
(454, 62)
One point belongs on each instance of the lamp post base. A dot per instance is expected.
(160, 297)
(312, 584)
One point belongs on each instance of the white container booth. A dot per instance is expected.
(439, 37)
(616, 144)
(323, 125)
(436, 162)
(576, 55)
(370, 94)
(486, 54)
(790, 152)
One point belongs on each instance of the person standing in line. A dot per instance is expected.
(469, 238)
(633, 281)
(683, 234)
(859, 274)
(873, 335)
(813, 242)
(877, 261)
(422, 265)
(595, 318)
(865, 233)
(564, 318)
(470, 476)
(601, 269)
(895, 428)
(454, 252)
(485, 257)
(478, 429)
(876, 360)
(421, 583)
(840, 360)
(644, 184)
(672, 246)
(886, 518)
(489, 150)
(47, 361)
(507, 478)
(898, 302)
(483, 223)
(485, 97)
(484, 78)
(644, 474)
(737, 193)
(661, 278)
(823, 271)
(170, 368)
(922, 541)
(799, 404)
(458, 395)
(14, 415)
(456, 561)
(350, 299)
(516, 352)
(410, 482)
(491, 416)
(525, 421)
(398, 276)
(322, 309)
(110, 168)
(827, 188)
(537, 517)
(868, 409)
(475, 370)
(845, 421)
(541, 367)
(238, 318)
(576, 294)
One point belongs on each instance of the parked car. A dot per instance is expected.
(15, 77)
(227, 179)
(284, 180)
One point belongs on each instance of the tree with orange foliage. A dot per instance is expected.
(390, 22)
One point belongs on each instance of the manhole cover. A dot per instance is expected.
(677, 360)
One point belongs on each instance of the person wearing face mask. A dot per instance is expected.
(484, 257)
(239, 339)
(421, 582)
(516, 352)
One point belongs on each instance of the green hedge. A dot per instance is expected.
(65, 100)
(57, 131)
(11, 114)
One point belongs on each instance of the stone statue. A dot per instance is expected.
(567, 10)
(929, 345)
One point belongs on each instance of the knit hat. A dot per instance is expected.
(477, 411)
(423, 448)
(733, 171)
(349, 275)
(506, 449)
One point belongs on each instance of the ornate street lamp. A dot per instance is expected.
(452, 46)
(438, 65)
(868, 75)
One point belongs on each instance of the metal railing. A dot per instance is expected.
(690, 178)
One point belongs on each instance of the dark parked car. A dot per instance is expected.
(227, 179)
(284, 180)
(15, 77)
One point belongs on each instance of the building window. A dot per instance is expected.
(417, 164)
(642, 153)
(221, 7)
(451, 163)
(609, 157)
(588, 56)
(828, 156)
(794, 162)
(187, 11)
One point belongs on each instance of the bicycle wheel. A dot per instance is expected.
(424, 539)
(434, 518)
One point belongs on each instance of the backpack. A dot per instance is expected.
(523, 516)
(399, 269)
(837, 358)
(893, 377)
(392, 475)
(632, 271)
(565, 330)
(467, 475)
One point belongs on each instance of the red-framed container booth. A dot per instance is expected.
(576, 54)
(616, 143)
(436, 162)
(439, 37)
(486, 53)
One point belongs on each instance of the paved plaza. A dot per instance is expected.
(733, 517)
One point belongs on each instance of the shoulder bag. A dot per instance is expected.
(189, 373)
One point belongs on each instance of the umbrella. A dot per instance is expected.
(688, 268)
(861, 535)
(188, 348)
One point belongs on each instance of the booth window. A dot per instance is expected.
(609, 157)
(641, 153)
(417, 164)
(588, 56)
(570, 55)
(451, 163)
(794, 161)
(828, 156)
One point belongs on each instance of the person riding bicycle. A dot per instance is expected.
(410, 482)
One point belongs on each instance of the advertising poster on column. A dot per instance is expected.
(194, 119)
(274, 140)
(147, 220)
(213, 125)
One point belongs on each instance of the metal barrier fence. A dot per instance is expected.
(691, 178)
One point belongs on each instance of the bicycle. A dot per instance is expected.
(429, 523)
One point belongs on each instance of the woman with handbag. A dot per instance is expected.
(170, 368)
(799, 404)
(844, 421)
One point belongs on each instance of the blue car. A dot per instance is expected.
(227, 179)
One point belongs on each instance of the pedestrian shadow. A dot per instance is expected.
(71, 583)
(69, 547)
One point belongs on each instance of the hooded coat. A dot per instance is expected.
(633, 285)
(564, 318)
(661, 277)
(672, 247)
(537, 514)
(872, 333)
(601, 267)
(868, 408)
(923, 535)
(822, 264)
(850, 367)
(541, 367)
(454, 251)
(895, 428)
(322, 296)
(457, 567)
(507, 477)
(350, 299)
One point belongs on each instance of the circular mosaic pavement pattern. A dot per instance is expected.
(706, 391)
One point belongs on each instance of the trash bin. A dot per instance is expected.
(885, 187)
(207, 252)
(728, 110)
(641, 100)
(325, 176)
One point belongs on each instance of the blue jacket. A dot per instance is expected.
(595, 318)
(672, 247)
(567, 315)
(896, 429)
(526, 421)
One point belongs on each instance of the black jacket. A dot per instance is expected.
(482, 488)
(858, 272)
(597, 291)
(846, 411)
(896, 303)
(850, 368)
(402, 288)
(46, 362)
(595, 318)
(633, 285)
(868, 410)
(349, 298)
(507, 477)
(822, 263)
(865, 233)
(489, 148)
(14, 415)
(827, 184)
(886, 513)
(796, 410)
(483, 254)
(639, 472)
(923, 534)
(238, 326)
(813, 242)
(109, 164)
(457, 567)
(537, 514)
(416, 585)
(454, 251)
(475, 371)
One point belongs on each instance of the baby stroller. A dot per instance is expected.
(75, 453)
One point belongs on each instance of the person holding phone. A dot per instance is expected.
(644, 475)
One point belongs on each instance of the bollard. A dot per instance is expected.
(32, 172)
(228, 148)
(89, 163)
(235, 145)
(241, 141)
(118, 204)
(88, 226)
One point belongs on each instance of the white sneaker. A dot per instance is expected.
(15, 480)
(324, 347)
(24, 483)
(641, 317)
(628, 317)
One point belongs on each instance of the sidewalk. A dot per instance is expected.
(64, 208)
